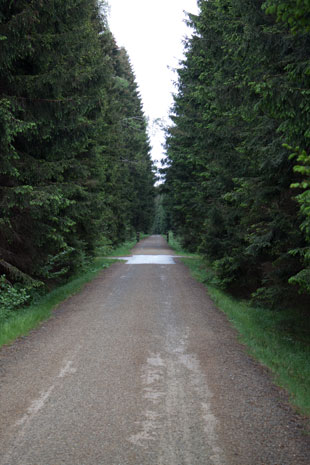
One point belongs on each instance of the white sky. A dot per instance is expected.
(152, 32)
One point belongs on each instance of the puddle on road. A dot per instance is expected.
(148, 259)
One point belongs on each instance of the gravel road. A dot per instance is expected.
(140, 368)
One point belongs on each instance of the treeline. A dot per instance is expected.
(161, 221)
(237, 177)
(75, 167)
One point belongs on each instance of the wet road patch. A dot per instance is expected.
(148, 260)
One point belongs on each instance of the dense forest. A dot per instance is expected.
(237, 170)
(75, 166)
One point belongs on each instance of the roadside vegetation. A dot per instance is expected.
(237, 168)
(19, 321)
(125, 248)
(76, 173)
(178, 248)
(236, 177)
(278, 339)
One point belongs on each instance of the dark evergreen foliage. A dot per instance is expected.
(243, 100)
(161, 219)
(75, 167)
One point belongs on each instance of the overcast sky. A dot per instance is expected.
(152, 32)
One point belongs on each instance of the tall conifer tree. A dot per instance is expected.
(241, 98)
(70, 119)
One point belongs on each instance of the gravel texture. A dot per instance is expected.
(140, 368)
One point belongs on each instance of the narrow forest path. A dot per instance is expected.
(140, 368)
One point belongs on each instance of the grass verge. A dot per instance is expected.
(176, 246)
(21, 322)
(278, 339)
(124, 249)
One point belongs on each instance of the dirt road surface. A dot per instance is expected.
(140, 368)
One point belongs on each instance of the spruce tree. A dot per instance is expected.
(241, 98)
(75, 164)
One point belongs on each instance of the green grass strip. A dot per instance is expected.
(24, 320)
(278, 339)
(176, 246)
(123, 249)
